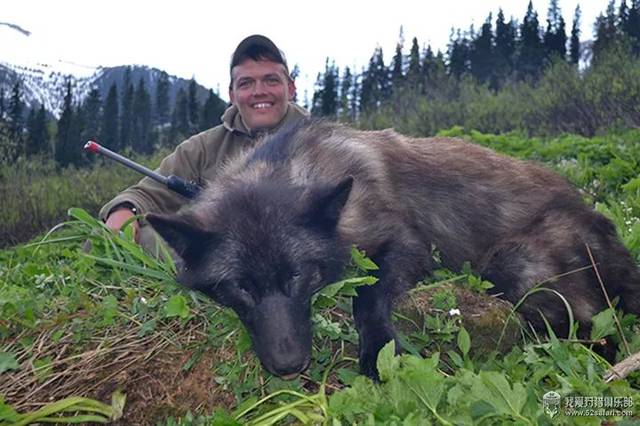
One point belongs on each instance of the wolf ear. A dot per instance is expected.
(183, 236)
(326, 205)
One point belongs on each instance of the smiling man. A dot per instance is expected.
(261, 87)
(261, 93)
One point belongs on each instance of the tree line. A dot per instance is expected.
(128, 119)
(500, 53)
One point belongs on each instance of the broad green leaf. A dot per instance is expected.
(362, 261)
(387, 361)
(43, 368)
(320, 301)
(8, 362)
(346, 375)
(494, 389)
(347, 286)
(109, 309)
(464, 341)
(456, 358)
(8, 415)
(603, 324)
(177, 306)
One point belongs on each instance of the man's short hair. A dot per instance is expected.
(257, 47)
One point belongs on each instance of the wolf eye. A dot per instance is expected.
(305, 280)
(230, 294)
(242, 295)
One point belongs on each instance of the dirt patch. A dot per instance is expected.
(161, 388)
(148, 369)
(487, 318)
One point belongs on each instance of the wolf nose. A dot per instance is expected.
(290, 372)
(289, 376)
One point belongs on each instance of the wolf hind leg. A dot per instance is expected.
(564, 275)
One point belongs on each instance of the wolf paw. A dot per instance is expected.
(369, 349)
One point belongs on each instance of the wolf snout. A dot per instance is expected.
(289, 367)
(281, 332)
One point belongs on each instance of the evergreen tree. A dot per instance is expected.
(326, 97)
(180, 116)
(28, 146)
(632, 28)
(295, 73)
(505, 48)
(606, 32)
(382, 77)
(42, 132)
(109, 128)
(193, 106)
(413, 72)
(397, 65)
(330, 90)
(345, 93)
(368, 94)
(161, 111)
(16, 119)
(375, 88)
(427, 67)
(623, 17)
(38, 134)
(2, 104)
(555, 36)
(92, 114)
(142, 126)
(76, 142)
(212, 111)
(574, 48)
(438, 82)
(459, 54)
(530, 48)
(353, 98)
(481, 56)
(316, 101)
(126, 111)
(67, 150)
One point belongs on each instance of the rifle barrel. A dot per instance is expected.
(95, 147)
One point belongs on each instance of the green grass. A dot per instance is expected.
(54, 293)
(36, 195)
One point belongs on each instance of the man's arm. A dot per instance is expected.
(119, 215)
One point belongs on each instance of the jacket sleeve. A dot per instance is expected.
(150, 196)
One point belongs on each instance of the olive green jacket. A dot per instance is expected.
(197, 159)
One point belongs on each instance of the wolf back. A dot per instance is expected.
(276, 225)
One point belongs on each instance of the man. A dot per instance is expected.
(261, 93)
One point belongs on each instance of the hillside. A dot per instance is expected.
(45, 83)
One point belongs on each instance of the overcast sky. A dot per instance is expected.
(190, 38)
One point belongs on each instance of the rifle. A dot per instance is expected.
(177, 184)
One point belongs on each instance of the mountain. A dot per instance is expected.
(46, 83)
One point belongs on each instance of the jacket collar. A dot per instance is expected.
(232, 121)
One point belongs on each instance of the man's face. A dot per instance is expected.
(261, 90)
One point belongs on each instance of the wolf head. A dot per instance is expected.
(263, 249)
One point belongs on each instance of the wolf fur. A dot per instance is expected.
(277, 224)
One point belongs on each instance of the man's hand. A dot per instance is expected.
(118, 217)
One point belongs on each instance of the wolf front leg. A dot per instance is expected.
(402, 264)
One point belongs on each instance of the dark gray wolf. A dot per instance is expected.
(277, 224)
